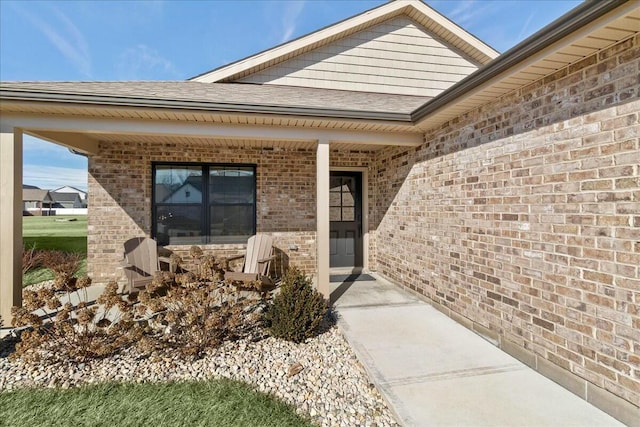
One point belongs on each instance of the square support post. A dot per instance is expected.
(10, 222)
(322, 216)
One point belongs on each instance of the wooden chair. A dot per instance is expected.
(257, 260)
(141, 262)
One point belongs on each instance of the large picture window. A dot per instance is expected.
(203, 203)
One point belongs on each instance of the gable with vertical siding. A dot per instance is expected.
(397, 56)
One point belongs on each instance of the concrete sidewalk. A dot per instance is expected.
(434, 371)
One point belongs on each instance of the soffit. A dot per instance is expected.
(613, 27)
(62, 109)
(232, 143)
(427, 17)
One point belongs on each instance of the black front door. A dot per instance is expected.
(345, 215)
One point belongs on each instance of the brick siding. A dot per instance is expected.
(523, 217)
(120, 191)
(520, 219)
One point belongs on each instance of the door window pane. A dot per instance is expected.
(342, 199)
(348, 214)
(335, 182)
(334, 213)
(348, 199)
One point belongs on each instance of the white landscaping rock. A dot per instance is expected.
(332, 389)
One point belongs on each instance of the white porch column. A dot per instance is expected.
(10, 222)
(322, 215)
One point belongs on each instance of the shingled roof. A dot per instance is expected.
(212, 95)
(35, 195)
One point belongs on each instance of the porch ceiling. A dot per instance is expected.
(234, 143)
(84, 133)
(62, 109)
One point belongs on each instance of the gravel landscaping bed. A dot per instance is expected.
(322, 377)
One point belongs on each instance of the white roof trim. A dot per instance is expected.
(415, 9)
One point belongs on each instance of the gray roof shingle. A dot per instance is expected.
(64, 197)
(228, 93)
(35, 194)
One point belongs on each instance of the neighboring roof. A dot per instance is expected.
(35, 195)
(29, 187)
(419, 12)
(69, 189)
(64, 197)
(232, 97)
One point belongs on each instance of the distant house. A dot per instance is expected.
(66, 200)
(68, 189)
(189, 192)
(36, 201)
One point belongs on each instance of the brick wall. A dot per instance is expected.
(522, 220)
(120, 189)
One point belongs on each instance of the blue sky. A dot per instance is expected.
(176, 40)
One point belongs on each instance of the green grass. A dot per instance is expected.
(211, 403)
(54, 233)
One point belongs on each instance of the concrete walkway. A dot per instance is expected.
(435, 372)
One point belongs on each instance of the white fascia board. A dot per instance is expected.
(451, 27)
(55, 125)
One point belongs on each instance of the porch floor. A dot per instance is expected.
(434, 371)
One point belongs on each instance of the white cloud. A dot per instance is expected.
(64, 35)
(290, 19)
(525, 27)
(50, 177)
(463, 12)
(37, 146)
(471, 13)
(144, 63)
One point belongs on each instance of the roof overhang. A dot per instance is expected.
(582, 32)
(28, 95)
(83, 132)
(588, 28)
(471, 46)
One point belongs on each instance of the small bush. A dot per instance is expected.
(297, 311)
(63, 265)
(31, 259)
(63, 332)
(191, 314)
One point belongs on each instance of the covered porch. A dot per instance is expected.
(293, 161)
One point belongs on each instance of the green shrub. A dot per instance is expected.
(297, 311)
